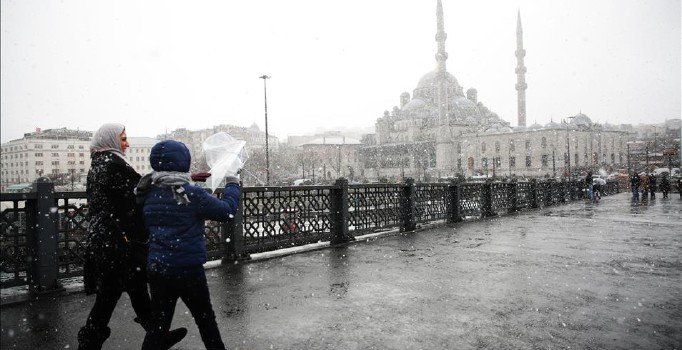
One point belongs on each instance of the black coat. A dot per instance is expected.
(116, 242)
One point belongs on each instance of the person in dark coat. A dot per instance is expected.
(634, 186)
(115, 252)
(652, 185)
(174, 213)
(665, 185)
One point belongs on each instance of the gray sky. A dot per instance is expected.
(153, 65)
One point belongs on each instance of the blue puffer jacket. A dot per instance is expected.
(176, 231)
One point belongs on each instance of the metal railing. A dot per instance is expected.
(43, 233)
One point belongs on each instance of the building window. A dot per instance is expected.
(511, 145)
(483, 147)
(55, 154)
(484, 162)
(577, 159)
(543, 142)
(69, 147)
(527, 144)
(81, 155)
(528, 163)
(81, 147)
(55, 146)
(55, 162)
(545, 160)
(459, 163)
(39, 162)
(71, 155)
(38, 146)
(38, 154)
(497, 146)
(512, 162)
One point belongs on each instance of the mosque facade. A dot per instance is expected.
(439, 131)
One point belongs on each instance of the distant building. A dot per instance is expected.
(138, 153)
(439, 131)
(330, 157)
(255, 140)
(52, 152)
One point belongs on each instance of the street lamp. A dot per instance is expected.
(267, 152)
(568, 148)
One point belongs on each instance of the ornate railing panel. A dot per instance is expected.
(523, 195)
(430, 201)
(471, 201)
(72, 227)
(14, 263)
(373, 207)
(500, 201)
(280, 217)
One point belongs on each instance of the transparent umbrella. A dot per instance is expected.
(225, 155)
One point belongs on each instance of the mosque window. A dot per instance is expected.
(545, 160)
(511, 145)
(483, 147)
(528, 162)
(497, 146)
(543, 142)
(527, 144)
(512, 162)
(484, 162)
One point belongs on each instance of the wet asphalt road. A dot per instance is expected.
(578, 276)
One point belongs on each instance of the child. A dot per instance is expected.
(174, 213)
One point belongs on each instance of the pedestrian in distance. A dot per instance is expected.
(174, 213)
(652, 185)
(665, 185)
(115, 248)
(644, 185)
(634, 186)
(588, 184)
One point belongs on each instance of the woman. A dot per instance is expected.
(174, 212)
(115, 254)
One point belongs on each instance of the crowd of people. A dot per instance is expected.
(647, 185)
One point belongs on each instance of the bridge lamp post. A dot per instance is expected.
(267, 146)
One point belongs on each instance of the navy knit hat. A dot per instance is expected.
(170, 155)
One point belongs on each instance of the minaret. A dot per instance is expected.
(520, 73)
(441, 57)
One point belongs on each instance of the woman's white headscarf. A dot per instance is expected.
(108, 138)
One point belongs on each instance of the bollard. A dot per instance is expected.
(407, 206)
(42, 238)
(339, 216)
(232, 234)
(512, 196)
(454, 213)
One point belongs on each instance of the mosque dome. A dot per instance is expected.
(553, 125)
(535, 126)
(581, 120)
(428, 85)
(415, 103)
(463, 107)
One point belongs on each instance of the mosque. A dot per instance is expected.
(440, 132)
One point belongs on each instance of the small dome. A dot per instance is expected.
(552, 125)
(581, 120)
(415, 103)
(535, 126)
(463, 107)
